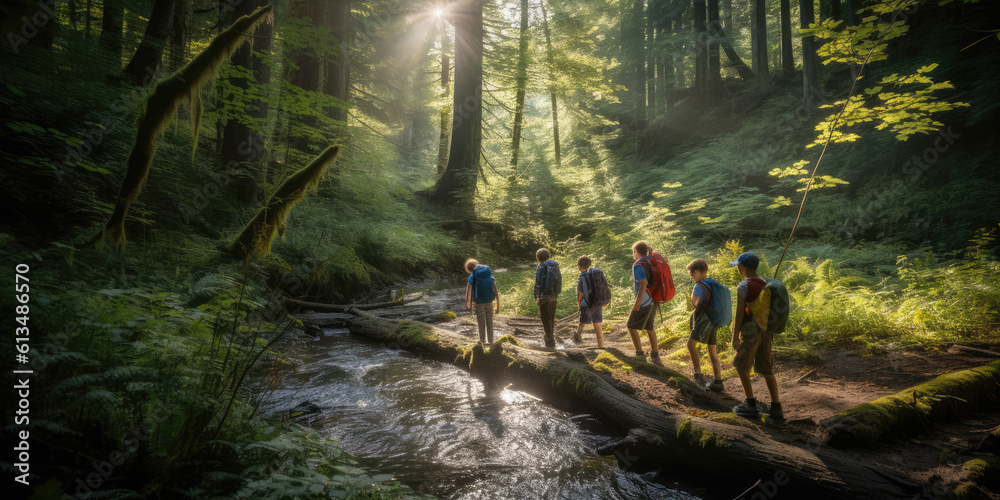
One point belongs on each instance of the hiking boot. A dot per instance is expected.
(577, 338)
(715, 386)
(654, 357)
(699, 378)
(775, 412)
(747, 410)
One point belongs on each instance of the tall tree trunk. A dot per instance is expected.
(701, 55)
(457, 186)
(787, 61)
(178, 45)
(112, 19)
(307, 75)
(445, 139)
(338, 82)
(651, 62)
(734, 59)
(727, 14)
(241, 147)
(522, 81)
(758, 39)
(550, 62)
(638, 59)
(714, 61)
(150, 52)
(72, 13)
(851, 19)
(86, 33)
(809, 81)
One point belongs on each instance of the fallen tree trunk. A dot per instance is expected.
(657, 438)
(361, 307)
(952, 394)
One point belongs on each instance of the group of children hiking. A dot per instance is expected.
(761, 311)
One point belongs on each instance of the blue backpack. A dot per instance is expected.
(720, 306)
(482, 285)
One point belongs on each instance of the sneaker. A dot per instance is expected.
(654, 357)
(776, 412)
(715, 386)
(747, 410)
(577, 338)
(699, 378)
(640, 354)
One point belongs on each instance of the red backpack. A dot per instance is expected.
(659, 282)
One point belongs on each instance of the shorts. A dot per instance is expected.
(702, 329)
(641, 319)
(590, 315)
(755, 348)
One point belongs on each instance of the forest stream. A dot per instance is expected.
(444, 432)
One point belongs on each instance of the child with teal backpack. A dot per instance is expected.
(482, 291)
(711, 310)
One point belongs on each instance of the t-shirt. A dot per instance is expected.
(639, 274)
(581, 286)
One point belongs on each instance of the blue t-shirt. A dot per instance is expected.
(639, 274)
(581, 287)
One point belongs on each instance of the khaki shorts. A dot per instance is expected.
(755, 349)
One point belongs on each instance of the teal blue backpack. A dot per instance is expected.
(720, 305)
(482, 285)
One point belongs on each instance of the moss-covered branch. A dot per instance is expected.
(161, 107)
(257, 235)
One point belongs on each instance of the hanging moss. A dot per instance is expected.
(161, 107)
(257, 235)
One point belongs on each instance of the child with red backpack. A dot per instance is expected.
(592, 294)
(482, 291)
(652, 284)
(711, 310)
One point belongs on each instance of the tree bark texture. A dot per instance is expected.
(338, 66)
(550, 62)
(241, 146)
(787, 62)
(457, 186)
(809, 80)
(148, 56)
(444, 141)
(112, 19)
(714, 60)
(701, 44)
(522, 82)
(758, 39)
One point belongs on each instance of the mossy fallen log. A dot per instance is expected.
(947, 396)
(657, 438)
(361, 307)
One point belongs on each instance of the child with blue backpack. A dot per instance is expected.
(482, 291)
(711, 310)
(592, 294)
(548, 285)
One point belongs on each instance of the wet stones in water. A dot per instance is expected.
(305, 408)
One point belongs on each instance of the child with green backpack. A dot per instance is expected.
(482, 291)
(711, 310)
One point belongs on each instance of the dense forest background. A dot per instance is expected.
(152, 154)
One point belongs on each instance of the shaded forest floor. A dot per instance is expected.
(812, 388)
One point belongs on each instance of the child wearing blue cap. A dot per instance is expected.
(751, 342)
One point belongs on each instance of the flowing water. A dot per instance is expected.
(439, 429)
